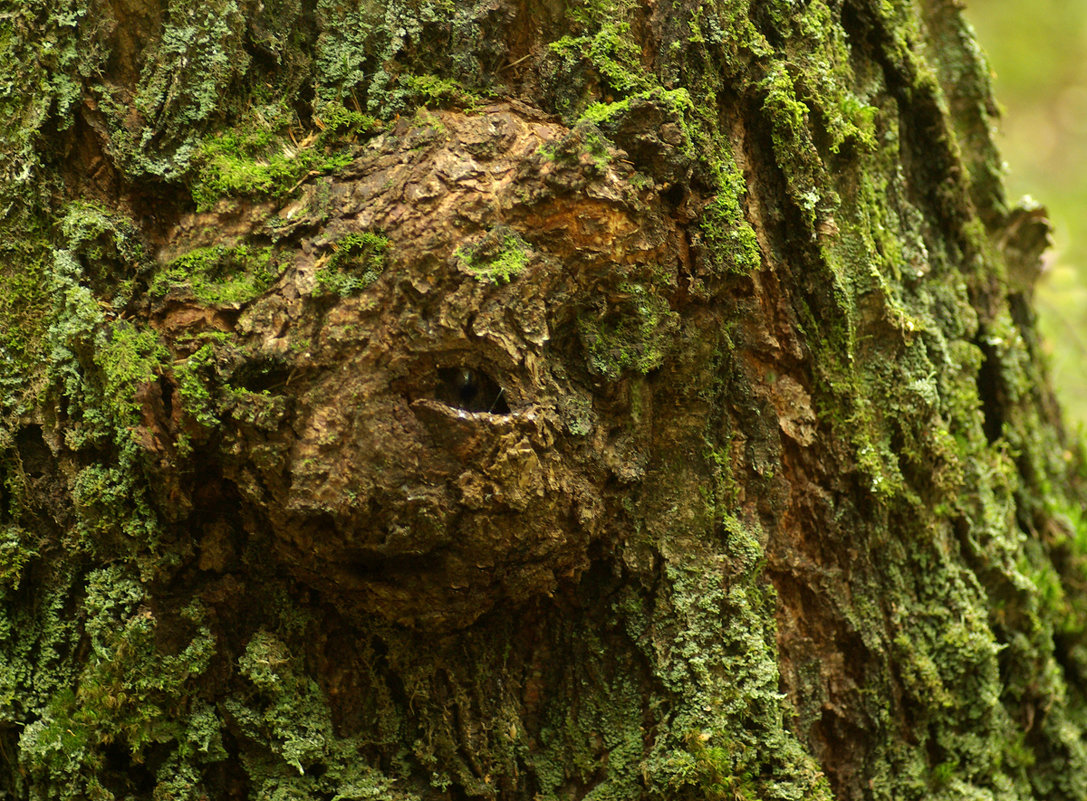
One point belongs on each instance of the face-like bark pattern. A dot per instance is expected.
(587, 400)
(429, 444)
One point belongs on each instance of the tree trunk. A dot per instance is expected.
(574, 400)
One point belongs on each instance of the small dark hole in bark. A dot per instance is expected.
(166, 389)
(33, 452)
(991, 392)
(262, 376)
(389, 569)
(674, 194)
(471, 390)
(137, 777)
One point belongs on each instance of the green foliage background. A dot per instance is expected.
(1036, 53)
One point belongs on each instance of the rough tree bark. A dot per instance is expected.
(410, 399)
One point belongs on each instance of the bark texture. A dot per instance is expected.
(408, 399)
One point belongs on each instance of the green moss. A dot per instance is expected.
(597, 742)
(608, 55)
(25, 303)
(193, 385)
(17, 551)
(633, 333)
(584, 146)
(131, 690)
(612, 52)
(267, 154)
(107, 247)
(345, 51)
(857, 124)
(337, 122)
(598, 113)
(356, 262)
(112, 511)
(40, 86)
(294, 720)
(200, 51)
(129, 359)
(500, 257)
(725, 737)
(432, 91)
(220, 275)
(130, 697)
(105, 368)
(390, 59)
(731, 241)
(676, 103)
(793, 145)
(292, 747)
(731, 244)
(590, 13)
(719, 770)
(965, 557)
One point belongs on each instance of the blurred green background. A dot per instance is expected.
(1037, 50)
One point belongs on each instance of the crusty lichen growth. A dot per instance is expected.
(672, 431)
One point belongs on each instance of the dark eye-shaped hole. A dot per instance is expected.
(471, 390)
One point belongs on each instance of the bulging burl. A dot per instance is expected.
(416, 397)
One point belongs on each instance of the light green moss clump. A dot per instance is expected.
(17, 552)
(337, 121)
(270, 154)
(220, 275)
(612, 52)
(432, 91)
(501, 257)
(129, 358)
(677, 101)
(193, 385)
(730, 239)
(356, 262)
